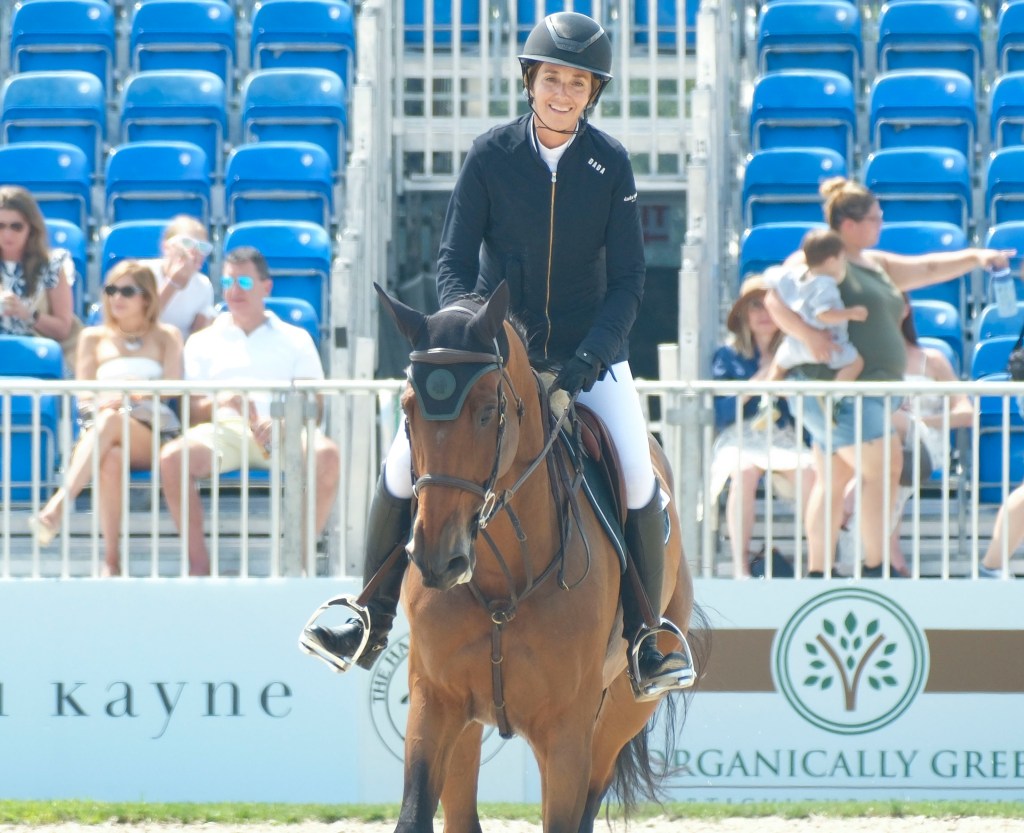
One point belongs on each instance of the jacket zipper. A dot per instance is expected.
(551, 248)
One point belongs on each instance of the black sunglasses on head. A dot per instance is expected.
(124, 291)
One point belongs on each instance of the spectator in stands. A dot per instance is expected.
(877, 280)
(1011, 519)
(573, 257)
(130, 344)
(186, 294)
(813, 292)
(743, 454)
(919, 421)
(36, 296)
(246, 343)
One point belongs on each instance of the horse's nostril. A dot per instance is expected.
(459, 566)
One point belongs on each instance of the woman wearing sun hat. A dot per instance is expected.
(742, 453)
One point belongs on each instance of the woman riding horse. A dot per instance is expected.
(548, 204)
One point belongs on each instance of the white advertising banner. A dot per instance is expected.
(194, 690)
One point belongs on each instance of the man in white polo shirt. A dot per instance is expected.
(245, 344)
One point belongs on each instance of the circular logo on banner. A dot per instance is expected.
(440, 384)
(850, 661)
(389, 702)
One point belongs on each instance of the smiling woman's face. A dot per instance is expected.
(561, 95)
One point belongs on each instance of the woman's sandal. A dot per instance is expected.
(42, 531)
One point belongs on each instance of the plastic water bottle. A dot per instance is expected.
(1004, 292)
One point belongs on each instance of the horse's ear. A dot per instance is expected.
(490, 318)
(410, 322)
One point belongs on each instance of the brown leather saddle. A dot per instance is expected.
(597, 444)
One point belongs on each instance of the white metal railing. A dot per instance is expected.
(256, 526)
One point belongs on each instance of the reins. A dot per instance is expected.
(503, 611)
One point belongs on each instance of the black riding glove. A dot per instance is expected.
(579, 373)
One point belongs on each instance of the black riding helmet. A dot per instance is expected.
(569, 39)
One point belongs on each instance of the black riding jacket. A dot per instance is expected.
(569, 243)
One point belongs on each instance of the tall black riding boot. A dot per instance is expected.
(645, 540)
(387, 527)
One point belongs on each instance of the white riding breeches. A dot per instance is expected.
(615, 400)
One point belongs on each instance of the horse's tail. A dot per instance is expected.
(639, 776)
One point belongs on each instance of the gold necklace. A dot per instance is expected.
(132, 341)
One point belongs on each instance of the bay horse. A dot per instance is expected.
(512, 622)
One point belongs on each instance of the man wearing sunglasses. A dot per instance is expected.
(245, 344)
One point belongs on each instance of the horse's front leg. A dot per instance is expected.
(563, 751)
(430, 737)
(458, 796)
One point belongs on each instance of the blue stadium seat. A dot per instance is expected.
(49, 35)
(781, 185)
(666, 24)
(1008, 235)
(157, 181)
(988, 323)
(770, 244)
(990, 355)
(923, 108)
(69, 236)
(416, 27)
(930, 34)
(298, 312)
(825, 35)
(298, 255)
(930, 342)
(60, 106)
(38, 358)
(184, 34)
(304, 33)
(804, 108)
(939, 320)
(296, 105)
(56, 173)
(1010, 38)
(990, 443)
(921, 184)
(1006, 110)
(176, 105)
(1004, 185)
(279, 181)
(130, 239)
(924, 237)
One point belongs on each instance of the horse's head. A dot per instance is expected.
(463, 414)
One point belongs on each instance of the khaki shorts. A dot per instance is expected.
(232, 442)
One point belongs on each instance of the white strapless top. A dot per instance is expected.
(130, 367)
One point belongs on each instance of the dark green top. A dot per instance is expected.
(879, 340)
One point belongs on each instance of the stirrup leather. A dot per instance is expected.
(674, 681)
(336, 663)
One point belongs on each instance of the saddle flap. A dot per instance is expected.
(598, 445)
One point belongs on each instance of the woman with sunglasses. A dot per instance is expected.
(185, 293)
(35, 298)
(130, 344)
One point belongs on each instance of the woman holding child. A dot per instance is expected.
(875, 280)
(130, 344)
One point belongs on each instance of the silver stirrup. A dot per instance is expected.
(312, 647)
(672, 681)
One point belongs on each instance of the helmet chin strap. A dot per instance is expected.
(580, 124)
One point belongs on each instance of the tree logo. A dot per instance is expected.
(850, 661)
(389, 702)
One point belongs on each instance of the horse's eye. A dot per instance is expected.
(486, 415)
